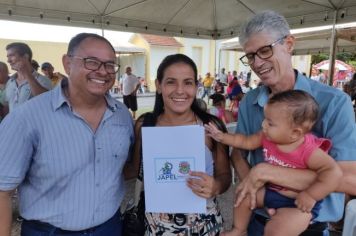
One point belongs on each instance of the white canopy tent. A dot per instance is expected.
(312, 42)
(128, 48)
(215, 19)
(130, 54)
(322, 41)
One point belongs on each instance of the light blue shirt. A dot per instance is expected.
(337, 123)
(18, 94)
(68, 175)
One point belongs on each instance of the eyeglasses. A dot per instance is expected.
(264, 52)
(94, 64)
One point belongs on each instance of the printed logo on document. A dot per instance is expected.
(173, 169)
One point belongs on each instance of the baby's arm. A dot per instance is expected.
(250, 142)
(328, 178)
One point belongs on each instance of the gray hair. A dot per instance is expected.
(267, 21)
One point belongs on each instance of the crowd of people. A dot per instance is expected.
(230, 86)
(68, 149)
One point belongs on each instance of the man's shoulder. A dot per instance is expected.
(253, 94)
(34, 108)
(41, 99)
(322, 92)
(11, 80)
(132, 76)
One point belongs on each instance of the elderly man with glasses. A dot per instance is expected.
(65, 150)
(268, 45)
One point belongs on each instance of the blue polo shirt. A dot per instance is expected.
(67, 174)
(337, 122)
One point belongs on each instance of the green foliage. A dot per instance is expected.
(318, 58)
(347, 57)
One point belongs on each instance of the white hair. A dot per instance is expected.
(266, 21)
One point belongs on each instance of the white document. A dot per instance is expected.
(169, 153)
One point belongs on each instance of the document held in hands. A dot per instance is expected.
(169, 153)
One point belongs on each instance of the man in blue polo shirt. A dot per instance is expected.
(65, 149)
(268, 45)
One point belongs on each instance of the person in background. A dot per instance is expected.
(223, 77)
(248, 76)
(352, 89)
(287, 142)
(35, 65)
(235, 97)
(207, 84)
(130, 84)
(246, 87)
(142, 88)
(4, 77)
(48, 70)
(268, 47)
(315, 74)
(65, 150)
(230, 77)
(26, 82)
(219, 87)
(323, 77)
(200, 87)
(175, 105)
(230, 86)
(219, 108)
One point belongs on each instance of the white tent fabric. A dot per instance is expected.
(339, 65)
(216, 19)
(312, 42)
(128, 48)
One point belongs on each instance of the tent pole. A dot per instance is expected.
(215, 57)
(332, 51)
(102, 26)
(219, 62)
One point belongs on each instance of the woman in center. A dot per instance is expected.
(175, 105)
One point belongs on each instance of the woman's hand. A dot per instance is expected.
(202, 184)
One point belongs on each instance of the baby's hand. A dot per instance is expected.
(213, 131)
(304, 202)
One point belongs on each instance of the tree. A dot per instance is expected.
(318, 58)
(347, 57)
